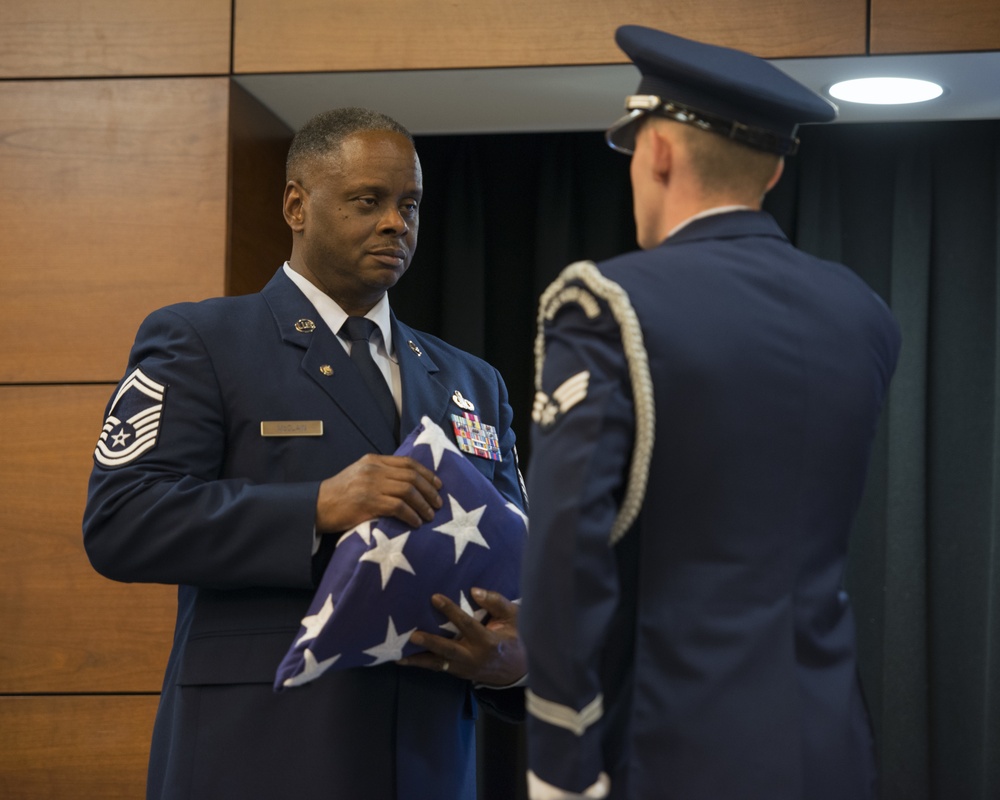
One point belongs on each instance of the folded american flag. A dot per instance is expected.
(377, 588)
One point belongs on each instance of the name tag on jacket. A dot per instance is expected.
(292, 427)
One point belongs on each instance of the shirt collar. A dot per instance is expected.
(708, 212)
(334, 316)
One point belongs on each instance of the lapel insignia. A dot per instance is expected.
(461, 402)
(305, 326)
(414, 348)
(133, 423)
(475, 437)
(571, 391)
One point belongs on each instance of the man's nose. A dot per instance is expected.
(394, 222)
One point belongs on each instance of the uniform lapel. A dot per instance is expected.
(324, 360)
(423, 393)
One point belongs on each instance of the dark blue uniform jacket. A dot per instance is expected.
(716, 632)
(228, 515)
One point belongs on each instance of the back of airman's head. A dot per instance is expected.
(739, 113)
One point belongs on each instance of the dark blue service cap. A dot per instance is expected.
(717, 89)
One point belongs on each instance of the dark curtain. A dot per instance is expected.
(915, 210)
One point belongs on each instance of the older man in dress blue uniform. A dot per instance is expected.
(247, 435)
(703, 422)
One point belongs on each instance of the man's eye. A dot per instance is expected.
(370, 202)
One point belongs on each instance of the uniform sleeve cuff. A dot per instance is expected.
(522, 681)
(540, 790)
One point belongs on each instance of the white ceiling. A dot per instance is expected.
(590, 97)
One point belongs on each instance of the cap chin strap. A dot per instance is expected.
(621, 135)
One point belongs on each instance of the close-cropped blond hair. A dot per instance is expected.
(726, 167)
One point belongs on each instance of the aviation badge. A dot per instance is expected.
(461, 402)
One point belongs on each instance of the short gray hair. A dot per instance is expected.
(325, 132)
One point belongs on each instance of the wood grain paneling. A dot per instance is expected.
(74, 748)
(64, 628)
(934, 26)
(112, 202)
(342, 35)
(70, 38)
(259, 239)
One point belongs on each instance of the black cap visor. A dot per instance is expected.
(621, 135)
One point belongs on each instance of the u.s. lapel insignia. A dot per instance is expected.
(305, 326)
(133, 423)
(414, 347)
(461, 402)
(475, 437)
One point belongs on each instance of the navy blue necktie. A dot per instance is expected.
(359, 331)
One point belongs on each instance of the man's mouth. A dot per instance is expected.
(391, 257)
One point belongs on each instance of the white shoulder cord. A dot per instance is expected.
(555, 297)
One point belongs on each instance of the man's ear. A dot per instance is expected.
(294, 206)
(778, 170)
(661, 152)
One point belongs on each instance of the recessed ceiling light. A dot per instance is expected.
(886, 91)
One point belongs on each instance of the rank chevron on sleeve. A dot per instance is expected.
(571, 391)
(133, 422)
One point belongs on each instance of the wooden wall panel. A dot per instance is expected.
(70, 38)
(112, 202)
(63, 627)
(75, 748)
(934, 26)
(259, 239)
(343, 35)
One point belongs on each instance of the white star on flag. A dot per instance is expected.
(435, 438)
(356, 605)
(388, 554)
(364, 530)
(313, 669)
(464, 604)
(519, 512)
(315, 622)
(392, 648)
(464, 527)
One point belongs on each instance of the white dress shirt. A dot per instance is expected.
(383, 351)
